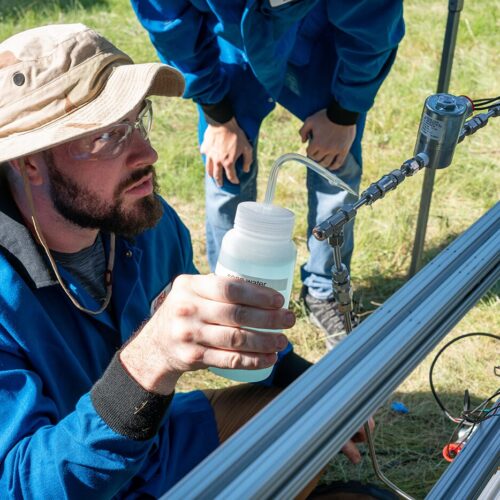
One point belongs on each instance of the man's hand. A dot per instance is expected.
(350, 450)
(200, 325)
(329, 143)
(222, 145)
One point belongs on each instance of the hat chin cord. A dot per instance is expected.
(41, 239)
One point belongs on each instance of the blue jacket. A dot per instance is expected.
(53, 441)
(69, 421)
(306, 54)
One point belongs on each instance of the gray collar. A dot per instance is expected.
(17, 244)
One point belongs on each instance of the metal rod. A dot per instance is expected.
(376, 468)
(277, 453)
(341, 281)
(450, 38)
(422, 220)
(377, 190)
(337, 258)
(336, 242)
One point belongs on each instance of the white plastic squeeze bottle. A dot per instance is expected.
(259, 249)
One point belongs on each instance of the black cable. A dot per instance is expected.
(474, 419)
(452, 452)
(467, 416)
(485, 100)
(488, 413)
(481, 104)
(489, 105)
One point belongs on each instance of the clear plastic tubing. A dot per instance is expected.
(324, 172)
(259, 249)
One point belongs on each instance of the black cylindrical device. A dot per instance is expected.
(442, 120)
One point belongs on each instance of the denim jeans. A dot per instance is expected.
(323, 200)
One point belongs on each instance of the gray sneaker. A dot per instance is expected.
(325, 314)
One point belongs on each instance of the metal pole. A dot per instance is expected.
(342, 293)
(450, 38)
(277, 453)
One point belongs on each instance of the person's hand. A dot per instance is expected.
(329, 143)
(350, 450)
(222, 145)
(200, 325)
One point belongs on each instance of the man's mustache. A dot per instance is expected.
(137, 175)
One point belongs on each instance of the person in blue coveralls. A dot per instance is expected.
(101, 307)
(323, 60)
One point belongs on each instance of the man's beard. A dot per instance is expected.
(85, 209)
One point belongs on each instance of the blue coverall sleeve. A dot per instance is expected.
(44, 457)
(184, 38)
(367, 34)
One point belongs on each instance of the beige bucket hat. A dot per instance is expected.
(60, 82)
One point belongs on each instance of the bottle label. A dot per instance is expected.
(280, 285)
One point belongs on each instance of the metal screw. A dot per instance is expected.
(18, 79)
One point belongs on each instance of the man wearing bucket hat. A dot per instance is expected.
(101, 309)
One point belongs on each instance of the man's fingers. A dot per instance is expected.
(351, 451)
(216, 170)
(305, 130)
(339, 160)
(233, 290)
(209, 167)
(371, 423)
(230, 170)
(241, 340)
(241, 315)
(314, 152)
(322, 158)
(327, 161)
(360, 436)
(229, 302)
(247, 159)
(217, 174)
(237, 360)
(195, 356)
(319, 154)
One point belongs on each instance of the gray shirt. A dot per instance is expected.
(87, 266)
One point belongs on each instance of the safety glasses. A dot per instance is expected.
(110, 143)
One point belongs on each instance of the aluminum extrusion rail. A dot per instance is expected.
(473, 467)
(277, 453)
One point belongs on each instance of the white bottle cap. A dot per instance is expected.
(264, 220)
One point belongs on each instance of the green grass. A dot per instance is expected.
(409, 445)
